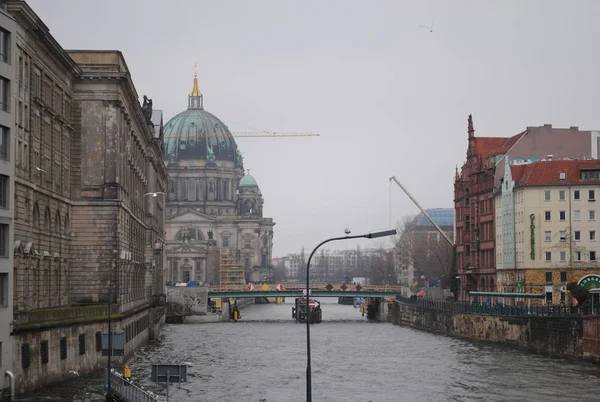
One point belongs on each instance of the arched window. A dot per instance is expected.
(47, 219)
(36, 216)
(57, 222)
(67, 228)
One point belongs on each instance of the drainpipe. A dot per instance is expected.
(11, 381)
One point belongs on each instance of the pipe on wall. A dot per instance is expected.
(11, 378)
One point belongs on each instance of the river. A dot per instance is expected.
(262, 358)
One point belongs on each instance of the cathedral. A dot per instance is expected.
(215, 229)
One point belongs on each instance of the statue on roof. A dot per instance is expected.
(147, 108)
(210, 154)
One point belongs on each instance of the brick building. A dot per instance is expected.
(474, 186)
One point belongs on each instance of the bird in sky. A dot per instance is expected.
(40, 169)
(154, 194)
(430, 28)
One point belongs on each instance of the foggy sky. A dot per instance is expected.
(387, 97)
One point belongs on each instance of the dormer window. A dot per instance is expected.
(562, 175)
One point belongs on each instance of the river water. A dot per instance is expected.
(262, 358)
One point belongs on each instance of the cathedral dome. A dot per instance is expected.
(196, 134)
(248, 181)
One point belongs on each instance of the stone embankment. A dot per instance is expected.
(553, 331)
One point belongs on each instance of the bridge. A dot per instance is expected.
(298, 290)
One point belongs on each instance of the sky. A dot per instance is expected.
(386, 96)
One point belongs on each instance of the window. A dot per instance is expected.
(549, 277)
(577, 255)
(547, 235)
(563, 235)
(4, 247)
(563, 215)
(592, 235)
(225, 241)
(25, 356)
(44, 352)
(563, 276)
(563, 257)
(548, 256)
(548, 215)
(590, 175)
(81, 344)
(562, 195)
(576, 195)
(4, 93)
(592, 256)
(4, 143)
(4, 190)
(4, 289)
(577, 215)
(562, 175)
(592, 195)
(4, 45)
(592, 215)
(63, 348)
(577, 235)
(467, 223)
(98, 341)
(547, 195)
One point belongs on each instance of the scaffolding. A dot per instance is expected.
(231, 270)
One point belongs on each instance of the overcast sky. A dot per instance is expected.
(387, 97)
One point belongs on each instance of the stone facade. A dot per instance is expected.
(86, 234)
(8, 84)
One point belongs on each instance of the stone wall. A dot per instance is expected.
(554, 336)
(34, 367)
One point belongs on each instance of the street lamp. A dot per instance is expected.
(375, 235)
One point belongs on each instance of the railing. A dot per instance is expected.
(299, 286)
(128, 391)
(465, 307)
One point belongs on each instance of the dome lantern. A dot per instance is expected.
(195, 99)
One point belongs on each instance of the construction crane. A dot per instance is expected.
(444, 235)
(251, 134)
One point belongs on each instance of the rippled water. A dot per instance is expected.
(263, 358)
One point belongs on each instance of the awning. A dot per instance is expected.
(507, 294)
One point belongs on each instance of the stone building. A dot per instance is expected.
(7, 173)
(547, 230)
(474, 186)
(86, 153)
(214, 210)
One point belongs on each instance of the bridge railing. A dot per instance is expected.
(128, 391)
(300, 286)
(552, 310)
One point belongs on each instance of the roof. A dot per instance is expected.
(248, 181)
(547, 173)
(441, 216)
(488, 146)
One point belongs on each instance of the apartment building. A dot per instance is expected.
(547, 227)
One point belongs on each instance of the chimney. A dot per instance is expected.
(548, 125)
(574, 128)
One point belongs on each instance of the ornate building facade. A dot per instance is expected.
(86, 153)
(474, 193)
(214, 209)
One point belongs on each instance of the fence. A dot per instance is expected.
(128, 391)
(466, 307)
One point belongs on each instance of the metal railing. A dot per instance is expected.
(128, 391)
(466, 307)
(300, 286)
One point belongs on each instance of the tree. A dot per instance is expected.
(424, 249)
(580, 293)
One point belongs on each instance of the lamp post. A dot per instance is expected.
(375, 235)
(109, 396)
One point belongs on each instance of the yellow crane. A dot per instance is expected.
(249, 134)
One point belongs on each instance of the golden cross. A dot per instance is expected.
(195, 69)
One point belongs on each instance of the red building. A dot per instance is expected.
(474, 198)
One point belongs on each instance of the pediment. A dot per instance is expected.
(190, 216)
(186, 248)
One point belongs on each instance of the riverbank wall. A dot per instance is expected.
(559, 332)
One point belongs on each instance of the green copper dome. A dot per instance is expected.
(196, 134)
(248, 181)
